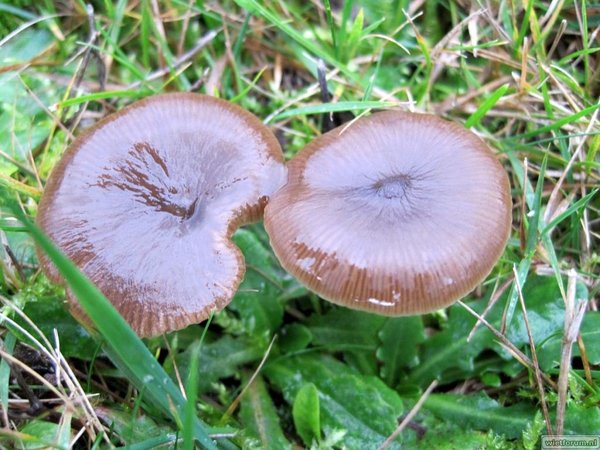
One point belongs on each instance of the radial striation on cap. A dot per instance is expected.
(398, 213)
(145, 203)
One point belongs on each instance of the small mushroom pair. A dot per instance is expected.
(398, 213)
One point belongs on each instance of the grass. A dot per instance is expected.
(517, 359)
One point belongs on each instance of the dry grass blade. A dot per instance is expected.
(559, 184)
(519, 355)
(574, 312)
(493, 300)
(73, 397)
(238, 399)
(538, 373)
(178, 62)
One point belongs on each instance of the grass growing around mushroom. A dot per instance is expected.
(281, 367)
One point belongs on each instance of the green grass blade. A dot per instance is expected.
(165, 440)
(17, 186)
(305, 413)
(581, 203)
(191, 390)
(331, 25)
(137, 93)
(533, 235)
(557, 124)
(585, 43)
(23, 14)
(8, 346)
(486, 106)
(332, 107)
(479, 411)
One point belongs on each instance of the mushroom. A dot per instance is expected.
(145, 203)
(398, 214)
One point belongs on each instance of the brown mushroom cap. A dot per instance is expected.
(145, 203)
(398, 214)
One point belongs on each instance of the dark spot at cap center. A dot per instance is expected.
(393, 187)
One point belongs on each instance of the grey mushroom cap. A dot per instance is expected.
(145, 203)
(397, 213)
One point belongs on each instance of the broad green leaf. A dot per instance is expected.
(481, 412)
(306, 414)
(545, 312)
(362, 406)
(449, 348)
(456, 437)
(51, 314)
(491, 379)
(40, 435)
(364, 362)
(346, 329)
(448, 351)
(259, 416)
(399, 339)
(391, 10)
(582, 420)
(220, 359)
(294, 337)
(130, 426)
(549, 351)
(257, 298)
(353, 332)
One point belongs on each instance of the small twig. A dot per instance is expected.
(237, 400)
(536, 366)
(415, 409)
